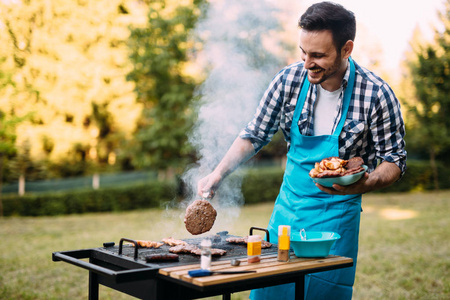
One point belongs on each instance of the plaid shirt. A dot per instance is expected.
(373, 129)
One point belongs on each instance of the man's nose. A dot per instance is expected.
(308, 61)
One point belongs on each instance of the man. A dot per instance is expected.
(327, 105)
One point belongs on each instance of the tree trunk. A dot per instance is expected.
(95, 181)
(434, 169)
(21, 185)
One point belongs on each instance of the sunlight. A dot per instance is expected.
(398, 214)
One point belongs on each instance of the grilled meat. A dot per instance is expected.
(189, 248)
(173, 242)
(148, 244)
(354, 163)
(336, 167)
(161, 257)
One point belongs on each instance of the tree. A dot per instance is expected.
(69, 61)
(159, 53)
(430, 72)
(7, 144)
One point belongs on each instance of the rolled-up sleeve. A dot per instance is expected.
(388, 129)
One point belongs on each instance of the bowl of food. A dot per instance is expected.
(313, 243)
(334, 170)
(341, 180)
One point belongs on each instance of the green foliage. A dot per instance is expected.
(159, 52)
(430, 71)
(258, 185)
(150, 194)
(262, 184)
(66, 62)
(419, 177)
(8, 125)
(431, 77)
(8, 134)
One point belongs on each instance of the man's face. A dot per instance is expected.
(324, 64)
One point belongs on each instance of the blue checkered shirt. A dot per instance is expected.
(373, 129)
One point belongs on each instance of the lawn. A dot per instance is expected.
(404, 246)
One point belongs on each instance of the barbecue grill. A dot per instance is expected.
(124, 268)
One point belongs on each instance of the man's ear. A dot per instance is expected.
(347, 49)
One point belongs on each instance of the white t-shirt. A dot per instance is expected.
(325, 110)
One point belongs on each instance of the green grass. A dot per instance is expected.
(404, 246)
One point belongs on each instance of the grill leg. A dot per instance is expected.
(300, 288)
(93, 286)
(226, 296)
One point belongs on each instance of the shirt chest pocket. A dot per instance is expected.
(353, 133)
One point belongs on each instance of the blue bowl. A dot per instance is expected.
(342, 180)
(316, 244)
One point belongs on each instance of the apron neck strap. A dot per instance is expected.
(347, 97)
(346, 102)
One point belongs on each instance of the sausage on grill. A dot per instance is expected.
(161, 257)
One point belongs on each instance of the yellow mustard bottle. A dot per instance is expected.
(284, 242)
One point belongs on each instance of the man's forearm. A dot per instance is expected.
(384, 175)
(240, 151)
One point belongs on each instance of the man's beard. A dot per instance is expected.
(325, 74)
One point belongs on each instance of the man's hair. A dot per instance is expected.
(330, 16)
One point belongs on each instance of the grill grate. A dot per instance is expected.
(218, 241)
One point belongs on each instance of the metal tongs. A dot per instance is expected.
(208, 195)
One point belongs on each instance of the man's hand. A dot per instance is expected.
(209, 184)
(358, 187)
(384, 175)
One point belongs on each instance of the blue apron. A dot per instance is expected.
(302, 205)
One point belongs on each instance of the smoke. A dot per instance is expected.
(239, 39)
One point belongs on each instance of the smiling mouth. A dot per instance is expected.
(317, 70)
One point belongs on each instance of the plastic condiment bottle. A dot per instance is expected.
(205, 261)
(284, 242)
(254, 249)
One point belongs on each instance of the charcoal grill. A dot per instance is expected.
(123, 267)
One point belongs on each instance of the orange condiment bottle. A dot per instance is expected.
(254, 248)
(284, 242)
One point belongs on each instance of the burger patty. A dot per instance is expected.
(200, 217)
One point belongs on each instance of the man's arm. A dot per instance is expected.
(384, 175)
(240, 151)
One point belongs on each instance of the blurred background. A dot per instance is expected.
(111, 110)
(163, 87)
